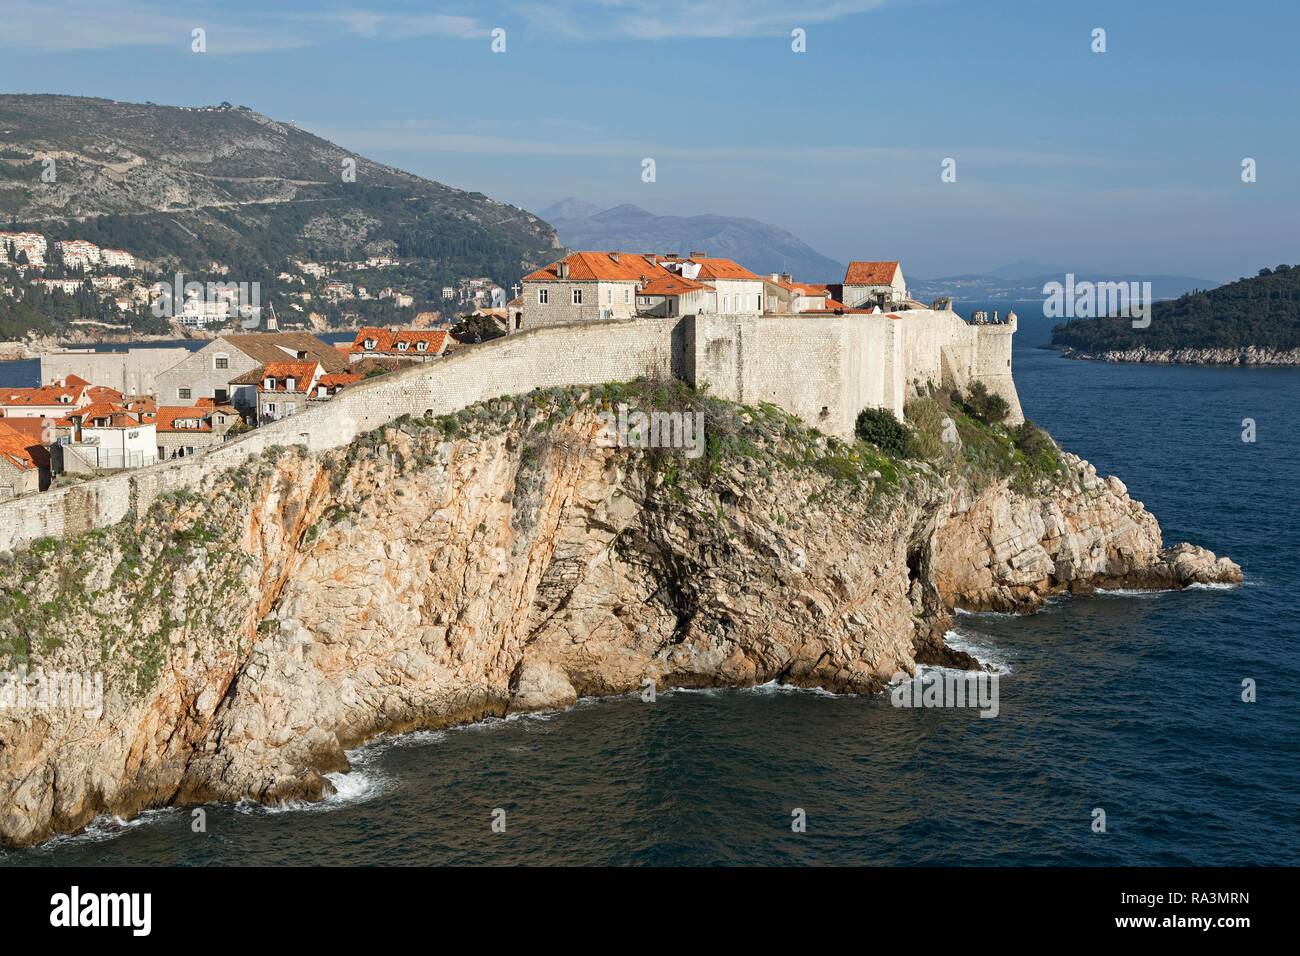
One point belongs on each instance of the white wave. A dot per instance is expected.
(1216, 586)
(961, 611)
(992, 657)
(109, 827)
(772, 687)
(357, 785)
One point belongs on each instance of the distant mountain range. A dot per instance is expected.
(182, 188)
(758, 246)
(1025, 280)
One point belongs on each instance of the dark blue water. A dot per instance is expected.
(1126, 703)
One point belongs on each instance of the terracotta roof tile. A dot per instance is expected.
(713, 268)
(591, 266)
(870, 273)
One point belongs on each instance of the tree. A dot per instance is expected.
(985, 406)
(879, 427)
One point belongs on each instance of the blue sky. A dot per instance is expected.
(1128, 160)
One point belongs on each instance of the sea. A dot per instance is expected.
(1127, 731)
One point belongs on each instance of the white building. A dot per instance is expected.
(31, 243)
(874, 283)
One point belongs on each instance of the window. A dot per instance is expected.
(270, 408)
(401, 346)
(645, 300)
(290, 408)
(221, 362)
(220, 396)
(269, 384)
(422, 346)
(609, 296)
(289, 384)
(726, 302)
(543, 296)
(183, 394)
(369, 344)
(577, 297)
(131, 435)
(627, 296)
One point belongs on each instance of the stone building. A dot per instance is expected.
(211, 371)
(874, 283)
(184, 430)
(131, 371)
(24, 457)
(413, 345)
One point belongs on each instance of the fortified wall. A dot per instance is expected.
(825, 369)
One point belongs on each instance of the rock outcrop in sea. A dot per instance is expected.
(506, 559)
(1245, 355)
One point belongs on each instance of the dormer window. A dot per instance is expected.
(288, 384)
(370, 344)
(269, 384)
(65, 399)
(401, 346)
(421, 346)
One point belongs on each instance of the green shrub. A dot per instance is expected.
(983, 405)
(879, 427)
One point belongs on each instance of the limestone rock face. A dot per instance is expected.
(411, 581)
(1006, 551)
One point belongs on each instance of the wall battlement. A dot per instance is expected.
(824, 369)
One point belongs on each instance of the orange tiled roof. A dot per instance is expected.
(388, 340)
(46, 395)
(590, 266)
(114, 415)
(670, 284)
(102, 393)
(339, 379)
(713, 268)
(169, 415)
(281, 372)
(20, 448)
(801, 288)
(870, 273)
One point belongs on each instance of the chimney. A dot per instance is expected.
(699, 254)
(614, 256)
(562, 269)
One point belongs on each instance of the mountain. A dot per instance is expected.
(569, 209)
(756, 245)
(182, 188)
(1260, 314)
(1022, 281)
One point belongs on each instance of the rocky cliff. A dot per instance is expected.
(506, 559)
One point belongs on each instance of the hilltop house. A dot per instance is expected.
(785, 296)
(104, 436)
(669, 295)
(874, 283)
(24, 457)
(416, 345)
(282, 388)
(211, 372)
(46, 401)
(594, 286)
(184, 430)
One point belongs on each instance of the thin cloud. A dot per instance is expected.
(60, 26)
(424, 137)
(671, 19)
